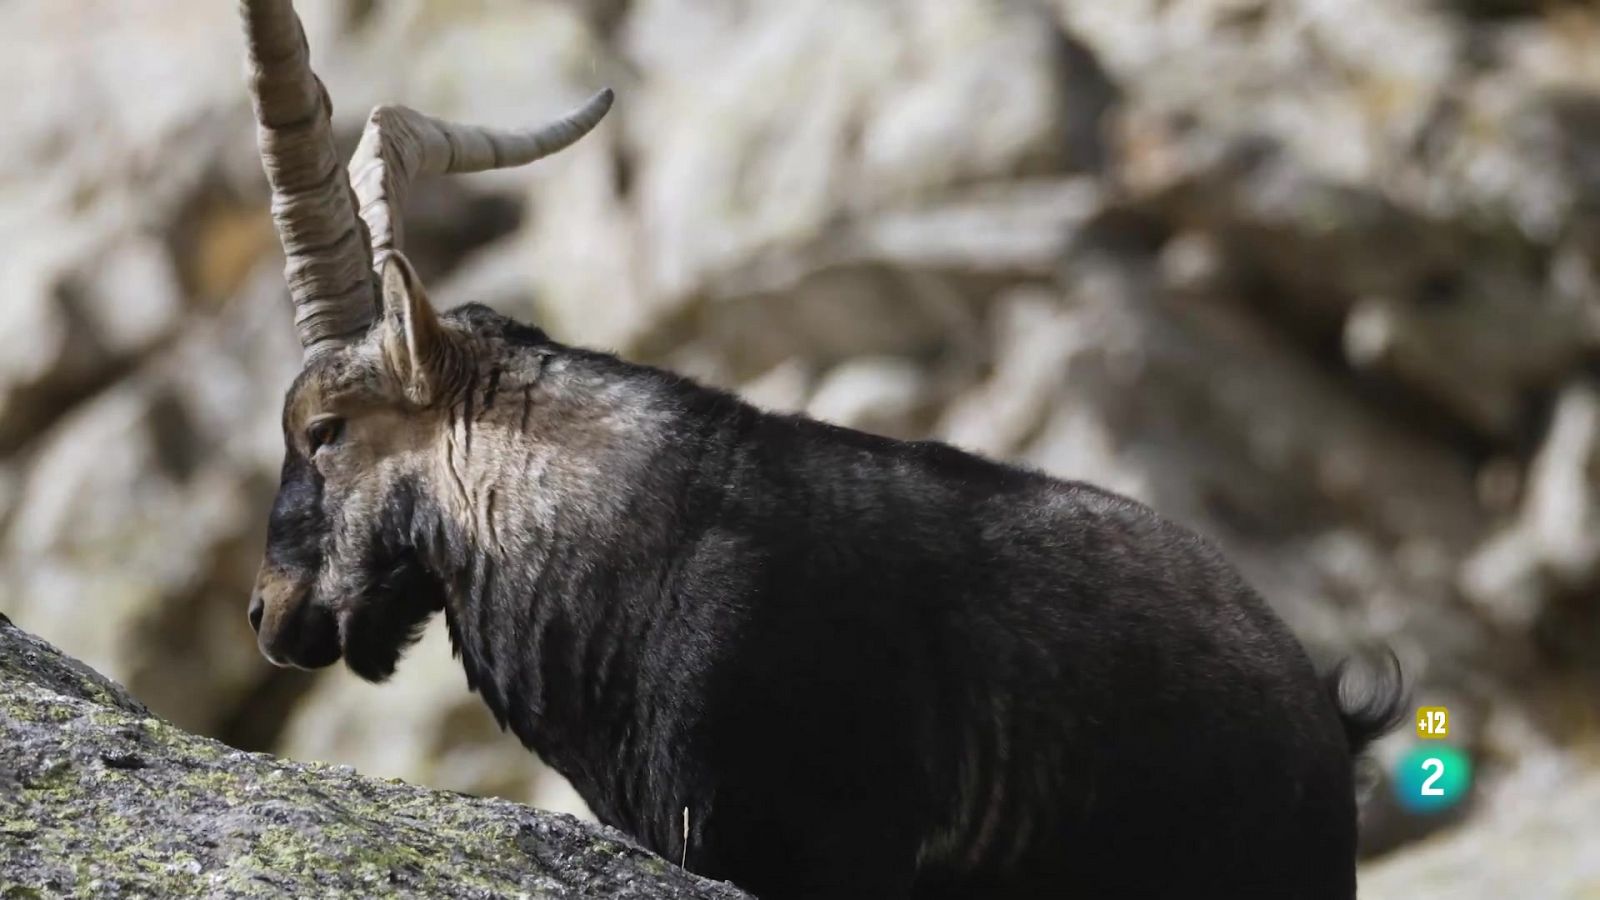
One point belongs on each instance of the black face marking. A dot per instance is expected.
(297, 527)
(527, 407)
(400, 593)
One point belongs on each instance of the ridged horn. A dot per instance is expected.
(400, 145)
(328, 257)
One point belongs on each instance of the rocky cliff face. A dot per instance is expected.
(1317, 279)
(98, 798)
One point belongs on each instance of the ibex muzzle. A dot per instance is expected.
(812, 661)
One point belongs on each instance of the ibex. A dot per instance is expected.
(807, 660)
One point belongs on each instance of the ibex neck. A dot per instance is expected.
(561, 574)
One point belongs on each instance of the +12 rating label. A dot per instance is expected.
(1433, 723)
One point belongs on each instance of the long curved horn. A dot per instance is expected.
(329, 262)
(401, 144)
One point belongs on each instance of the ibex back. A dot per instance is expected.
(854, 666)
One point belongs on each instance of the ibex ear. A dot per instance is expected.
(415, 346)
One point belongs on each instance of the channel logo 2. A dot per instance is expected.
(1432, 777)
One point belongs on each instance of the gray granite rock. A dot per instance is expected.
(100, 799)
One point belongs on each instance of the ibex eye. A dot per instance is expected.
(323, 431)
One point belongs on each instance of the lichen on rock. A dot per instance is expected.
(98, 798)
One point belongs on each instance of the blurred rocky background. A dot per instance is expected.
(1320, 278)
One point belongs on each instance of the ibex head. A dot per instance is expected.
(367, 422)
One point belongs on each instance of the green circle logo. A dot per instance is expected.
(1432, 778)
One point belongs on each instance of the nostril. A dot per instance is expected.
(257, 609)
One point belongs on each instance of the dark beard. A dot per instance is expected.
(389, 618)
